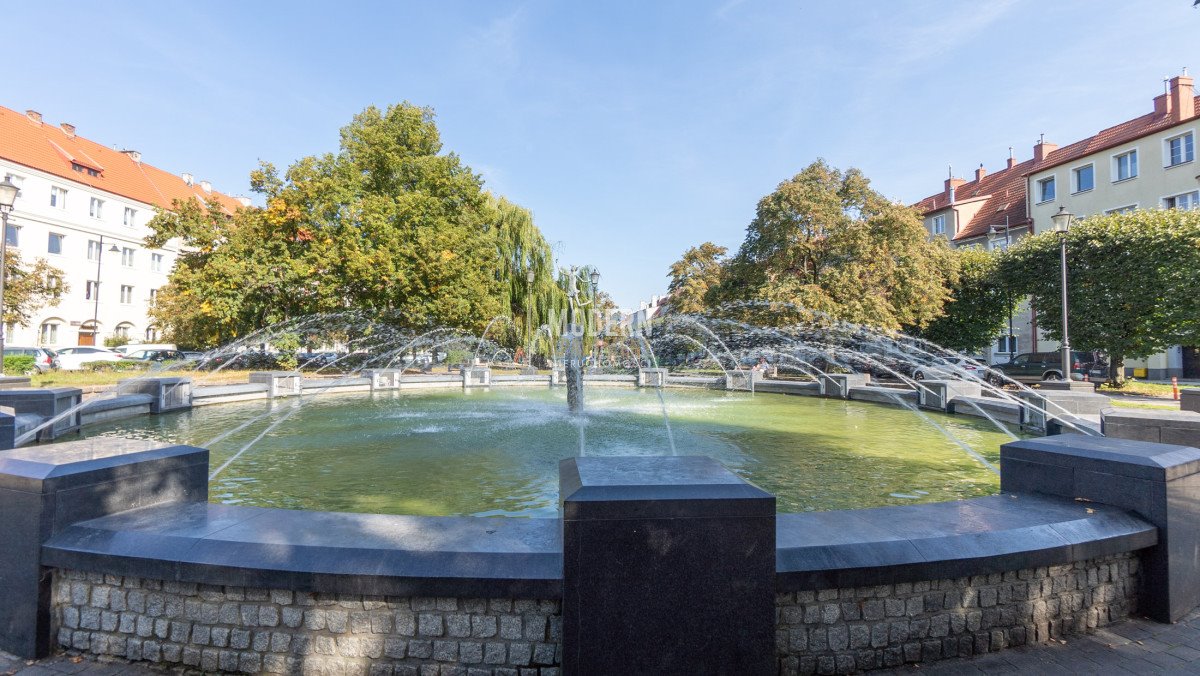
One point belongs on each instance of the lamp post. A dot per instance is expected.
(1062, 222)
(529, 277)
(96, 290)
(8, 197)
(1010, 339)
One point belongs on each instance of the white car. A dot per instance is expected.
(953, 369)
(73, 358)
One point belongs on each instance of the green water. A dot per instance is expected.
(496, 452)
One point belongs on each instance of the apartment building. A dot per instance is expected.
(1148, 162)
(83, 207)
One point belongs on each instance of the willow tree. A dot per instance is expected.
(528, 286)
(825, 241)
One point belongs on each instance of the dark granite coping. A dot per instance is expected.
(865, 547)
(70, 463)
(1106, 455)
(119, 401)
(379, 554)
(372, 554)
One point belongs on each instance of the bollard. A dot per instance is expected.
(1175, 388)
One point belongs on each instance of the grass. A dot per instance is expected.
(101, 378)
(1139, 388)
(1116, 402)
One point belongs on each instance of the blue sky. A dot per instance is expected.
(631, 129)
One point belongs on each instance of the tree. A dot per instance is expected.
(1132, 282)
(693, 276)
(980, 302)
(825, 241)
(389, 225)
(26, 290)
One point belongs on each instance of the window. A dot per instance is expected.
(53, 281)
(90, 290)
(151, 334)
(153, 295)
(95, 207)
(1045, 189)
(126, 294)
(122, 331)
(156, 261)
(1180, 150)
(54, 245)
(1188, 200)
(130, 217)
(127, 257)
(1122, 210)
(1084, 178)
(84, 170)
(48, 334)
(939, 225)
(1006, 344)
(93, 250)
(58, 197)
(1125, 166)
(12, 235)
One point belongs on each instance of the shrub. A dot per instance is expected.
(458, 357)
(18, 364)
(114, 366)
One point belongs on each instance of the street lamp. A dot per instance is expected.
(8, 197)
(1062, 222)
(96, 290)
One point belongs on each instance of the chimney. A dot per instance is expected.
(980, 173)
(188, 179)
(34, 115)
(1012, 161)
(206, 185)
(68, 129)
(1042, 150)
(952, 184)
(1182, 104)
(134, 155)
(1162, 102)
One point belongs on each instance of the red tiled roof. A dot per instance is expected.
(49, 148)
(1004, 196)
(1109, 138)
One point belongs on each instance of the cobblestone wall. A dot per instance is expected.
(233, 629)
(846, 630)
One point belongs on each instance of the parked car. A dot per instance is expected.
(155, 355)
(192, 355)
(73, 358)
(43, 359)
(1033, 367)
(131, 347)
(953, 369)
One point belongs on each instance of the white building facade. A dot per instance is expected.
(84, 208)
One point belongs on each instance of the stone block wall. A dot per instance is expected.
(843, 631)
(235, 629)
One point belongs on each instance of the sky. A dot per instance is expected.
(632, 129)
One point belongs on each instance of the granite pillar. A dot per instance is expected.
(651, 377)
(279, 383)
(668, 568)
(47, 403)
(1158, 482)
(838, 385)
(44, 489)
(170, 393)
(937, 394)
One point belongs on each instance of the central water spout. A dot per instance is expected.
(573, 367)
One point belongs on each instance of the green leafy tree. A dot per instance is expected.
(693, 276)
(825, 241)
(1132, 282)
(390, 225)
(979, 305)
(29, 288)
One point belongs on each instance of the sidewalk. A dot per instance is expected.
(1135, 646)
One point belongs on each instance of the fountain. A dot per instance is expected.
(361, 469)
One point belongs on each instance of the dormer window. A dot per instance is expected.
(84, 170)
